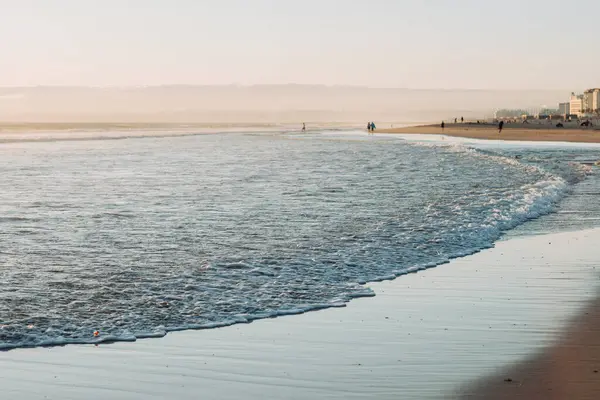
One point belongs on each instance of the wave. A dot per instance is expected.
(449, 228)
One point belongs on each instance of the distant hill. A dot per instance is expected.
(257, 104)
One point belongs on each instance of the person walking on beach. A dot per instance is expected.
(462, 120)
(500, 126)
(369, 128)
(443, 126)
(372, 127)
(303, 127)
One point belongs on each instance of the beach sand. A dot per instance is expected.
(518, 131)
(568, 370)
(446, 332)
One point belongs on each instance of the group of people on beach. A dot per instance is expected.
(462, 120)
(371, 127)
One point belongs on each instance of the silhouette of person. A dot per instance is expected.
(500, 126)
(462, 120)
(369, 128)
(443, 125)
(303, 127)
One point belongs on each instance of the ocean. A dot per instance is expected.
(137, 237)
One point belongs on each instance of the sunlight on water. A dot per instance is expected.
(138, 237)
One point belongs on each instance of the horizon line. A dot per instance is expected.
(263, 85)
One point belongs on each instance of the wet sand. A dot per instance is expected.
(56, 132)
(568, 370)
(519, 132)
(425, 335)
(26, 127)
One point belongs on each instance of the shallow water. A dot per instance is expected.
(137, 237)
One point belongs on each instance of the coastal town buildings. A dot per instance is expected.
(579, 106)
(582, 104)
(576, 104)
(591, 100)
(564, 108)
(586, 101)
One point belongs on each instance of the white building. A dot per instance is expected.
(594, 100)
(576, 104)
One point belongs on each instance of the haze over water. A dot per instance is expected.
(262, 104)
(281, 62)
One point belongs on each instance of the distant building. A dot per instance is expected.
(576, 104)
(591, 100)
(587, 101)
(509, 113)
(548, 111)
(564, 108)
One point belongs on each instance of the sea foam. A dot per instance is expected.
(209, 231)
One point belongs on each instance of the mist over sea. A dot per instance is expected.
(260, 104)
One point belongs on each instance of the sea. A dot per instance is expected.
(116, 240)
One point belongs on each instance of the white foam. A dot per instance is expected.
(489, 143)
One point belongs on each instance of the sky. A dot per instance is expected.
(436, 44)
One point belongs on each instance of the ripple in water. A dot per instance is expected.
(135, 238)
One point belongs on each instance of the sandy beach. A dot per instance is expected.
(520, 132)
(432, 334)
(42, 132)
(568, 370)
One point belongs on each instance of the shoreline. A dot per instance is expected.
(510, 132)
(570, 369)
(520, 310)
(423, 336)
(85, 132)
(142, 131)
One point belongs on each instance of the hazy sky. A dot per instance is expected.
(382, 43)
